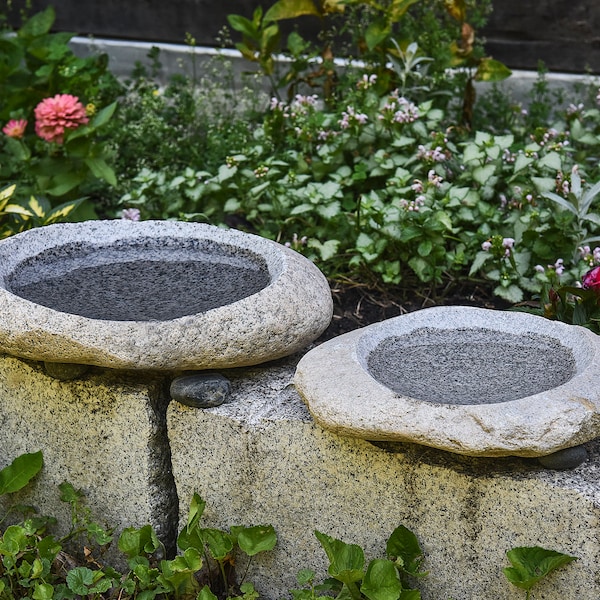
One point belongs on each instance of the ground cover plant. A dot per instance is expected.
(390, 173)
(36, 564)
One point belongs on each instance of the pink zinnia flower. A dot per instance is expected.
(54, 115)
(15, 128)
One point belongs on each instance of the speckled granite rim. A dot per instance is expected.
(289, 306)
(343, 392)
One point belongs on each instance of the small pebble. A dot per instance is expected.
(65, 371)
(204, 390)
(568, 458)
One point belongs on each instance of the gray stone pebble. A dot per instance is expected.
(568, 458)
(203, 390)
(65, 371)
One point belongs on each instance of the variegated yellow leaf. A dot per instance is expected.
(16, 209)
(6, 194)
(35, 205)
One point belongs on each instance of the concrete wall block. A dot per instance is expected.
(103, 433)
(268, 463)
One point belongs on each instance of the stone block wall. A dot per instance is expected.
(260, 459)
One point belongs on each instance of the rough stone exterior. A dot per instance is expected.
(283, 317)
(260, 458)
(103, 433)
(266, 462)
(347, 396)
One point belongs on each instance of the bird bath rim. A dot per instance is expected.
(284, 315)
(359, 405)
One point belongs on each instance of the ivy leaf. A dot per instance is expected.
(531, 564)
(219, 542)
(206, 594)
(20, 472)
(197, 506)
(80, 579)
(137, 542)
(381, 581)
(346, 560)
(260, 538)
(403, 544)
(43, 591)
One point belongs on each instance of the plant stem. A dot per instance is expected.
(353, 589)
(224, 576)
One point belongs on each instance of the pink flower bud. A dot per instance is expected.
(591, 280)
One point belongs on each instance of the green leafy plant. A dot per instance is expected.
(578, 200)
(219, 547)
(532, 564)
(20, 472)
(34, 564)
(55, 109)
(34, 212)
(383, 579)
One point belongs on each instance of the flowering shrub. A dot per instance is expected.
(51, 145)
(591, 280)
(378, 182)
(577, 305)
(386, 189)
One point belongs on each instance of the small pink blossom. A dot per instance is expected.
(130, 214)
(54, 115)
(15, 128)
(558, 266)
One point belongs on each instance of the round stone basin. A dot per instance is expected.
(467, 380)
(156, 295)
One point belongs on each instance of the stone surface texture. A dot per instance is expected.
(265, 301)
(104, 434)
(430, 377)
(266, 462)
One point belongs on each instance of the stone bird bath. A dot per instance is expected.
(467, 380)
(159, 295)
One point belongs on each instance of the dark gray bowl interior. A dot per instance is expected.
(147, 279)
(470, 366)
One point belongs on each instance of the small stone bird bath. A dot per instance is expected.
(156, 295)
(467, 380)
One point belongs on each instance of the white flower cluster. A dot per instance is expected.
(351, 117)
(399, 110)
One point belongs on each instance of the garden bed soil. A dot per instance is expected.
(355, 305)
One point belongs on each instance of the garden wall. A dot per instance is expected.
(260, 459)
(562, 34)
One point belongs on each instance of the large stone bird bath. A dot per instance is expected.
(467, 380)
(156, 295)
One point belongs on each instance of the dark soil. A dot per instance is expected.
(357, 306)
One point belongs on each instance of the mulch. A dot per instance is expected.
(356, 305)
